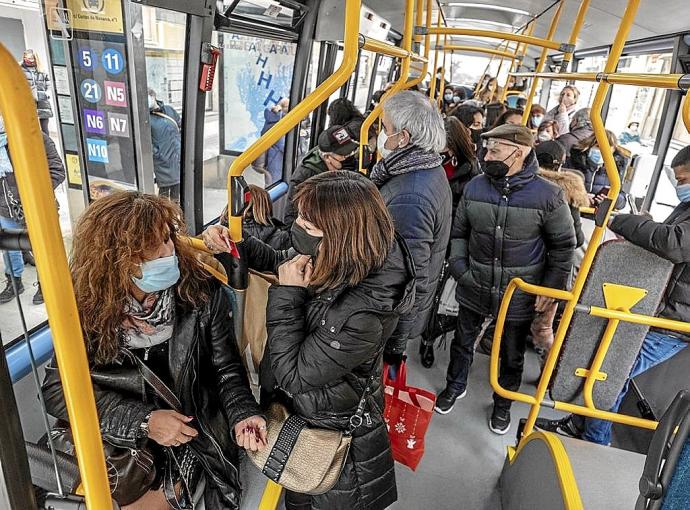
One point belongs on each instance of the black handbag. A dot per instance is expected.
(132, 471)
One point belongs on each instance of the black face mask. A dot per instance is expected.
(497, 169)
(303, 242)
(350, 163)
(476, 135)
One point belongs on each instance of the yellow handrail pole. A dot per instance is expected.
(598, 361)
(427, 40)
(686, 111)
(271, 496)
(302, 109)
(664, 81)
(397, 86)
(522, 50)
(496, 34)
(572, 41)
(33, 181)
(388, 49)
(442, 88)
(479, 49)
(597, 235)
(542, 62)
(486, 71)
(432, 84)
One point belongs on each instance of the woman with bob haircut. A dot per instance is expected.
(146, 303)
(328, 320)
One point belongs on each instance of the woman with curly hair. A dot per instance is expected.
(147, 305)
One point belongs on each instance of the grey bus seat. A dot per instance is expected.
(43, 470)
(612, 264)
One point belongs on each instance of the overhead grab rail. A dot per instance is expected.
(603, 213)
(497, 34)
(477, 49)
(664, 81)
(236, 184)
(397, 86)
(33, 180)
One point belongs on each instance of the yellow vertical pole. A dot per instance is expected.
(486, 71)
(542, 61)
(520, 52)
(577, 26)
(36, 191)
(427, 40)
(397, 86)
(432, 85)
(442, 88)
(612, 173)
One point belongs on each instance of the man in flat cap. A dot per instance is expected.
(510, 223)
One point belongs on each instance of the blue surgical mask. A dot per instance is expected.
(448, 97)
(683, 192)
(158, 274)
(537, 120)
(595, 156)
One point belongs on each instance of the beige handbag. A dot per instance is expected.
(301, 458)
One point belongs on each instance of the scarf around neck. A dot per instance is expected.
(402, 161)
(149, 323)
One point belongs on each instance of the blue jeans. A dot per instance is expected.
(13, 257)
(656, 348)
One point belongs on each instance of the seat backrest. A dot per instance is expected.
(665, 481)
(43, 470)
(622, 263)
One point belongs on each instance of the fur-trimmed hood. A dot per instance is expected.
(572, 185)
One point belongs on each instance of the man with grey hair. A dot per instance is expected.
(416, 191)
(510, 223)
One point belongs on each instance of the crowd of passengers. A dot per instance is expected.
(358, 261)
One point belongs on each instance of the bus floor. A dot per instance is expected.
(463, 458)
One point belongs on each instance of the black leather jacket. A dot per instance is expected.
(207, 376)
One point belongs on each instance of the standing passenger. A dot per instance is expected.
(567, 106)
(146, 305)
(416, 191)
(510, 223)
(40, 86)
(328, 321)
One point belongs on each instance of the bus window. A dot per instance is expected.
(254, 80)
(592, 64)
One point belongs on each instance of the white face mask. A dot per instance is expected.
(544, 136)
(381, 143)
(152, 102)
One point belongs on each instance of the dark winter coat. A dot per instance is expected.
(462, 175)
(670, 240)
(8, 184)
(273, 235)
(420, 203)
(322, 350)
(311, 165)
(166, 144)
(207, 376)
(575, 194)
(595, 177)
(516, 227)
(40, 87)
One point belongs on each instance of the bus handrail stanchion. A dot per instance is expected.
(300, 111)
(432, 84)
(397, 86)
(574, 33)
(427, 40)
(31, 172)
(520, 52)
(686, 110)
(542, 62)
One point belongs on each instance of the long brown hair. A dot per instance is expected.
(458, 140)
(260, 207)
(357, 229)
(589, 142)
(115, 234)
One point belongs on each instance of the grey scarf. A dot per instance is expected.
(149, 323)
(402, 161)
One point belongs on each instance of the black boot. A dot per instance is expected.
(8, 294)
(38, 297)
(28, 258)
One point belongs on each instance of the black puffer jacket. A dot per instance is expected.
(273, 235)
(311, 165)
(322, 350)
(207, 376)
(40, 86)
(519, 226)
(463, 174)
(670, 240)
(8, 184)
(420, 203)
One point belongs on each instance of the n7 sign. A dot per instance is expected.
(118, 124)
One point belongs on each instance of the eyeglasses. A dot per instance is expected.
(492, 144)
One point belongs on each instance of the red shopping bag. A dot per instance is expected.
(407, 413)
